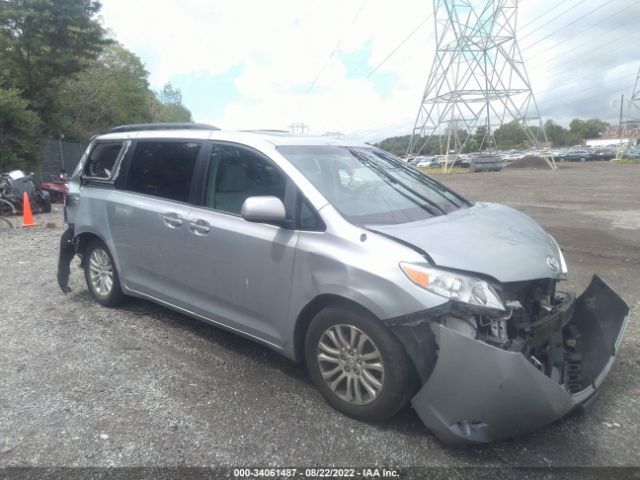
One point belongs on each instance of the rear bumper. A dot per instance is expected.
(479, 393)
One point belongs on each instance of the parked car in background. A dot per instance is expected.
(604, 154)
(633, 152)
(347, 258)
(512, 155)
(577, 155)
(427, 162)
(483, 162)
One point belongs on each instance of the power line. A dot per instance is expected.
(598, 47)
(561, 72)
(550, 21)
(414, 31)
(335, 49)
(399, 46)
(569, 24)
(556, 87)
(593, 59)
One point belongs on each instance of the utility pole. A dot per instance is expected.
(620, 130)
(62, 169)
(477, 78)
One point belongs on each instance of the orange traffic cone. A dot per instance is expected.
(27, 216)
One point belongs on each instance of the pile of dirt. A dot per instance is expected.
(530, 161)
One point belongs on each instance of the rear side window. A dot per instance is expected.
(101, 163)
(163, 169)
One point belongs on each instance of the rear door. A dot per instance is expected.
(148, 216)
(239, 272)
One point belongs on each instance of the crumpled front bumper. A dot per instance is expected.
(479, 393)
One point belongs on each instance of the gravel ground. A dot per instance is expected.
(83, 385)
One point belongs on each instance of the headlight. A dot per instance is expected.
(456, 286)
(563, 264)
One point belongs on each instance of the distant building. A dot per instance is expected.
(631, 129)
(609, 142)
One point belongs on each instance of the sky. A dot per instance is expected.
(360, 66)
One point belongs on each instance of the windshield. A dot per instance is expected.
(369, 186)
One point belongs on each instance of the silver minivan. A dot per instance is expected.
(390, 286)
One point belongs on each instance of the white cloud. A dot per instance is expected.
(283, 44)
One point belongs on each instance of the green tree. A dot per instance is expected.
(560, 136)
(479, 139)
(396, 145)
(166, 106)
(113, 90)
(43, 42)
(510, 135)
(20, 133)
(591, 128)
(169, 95)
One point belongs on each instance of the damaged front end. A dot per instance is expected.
(492, 375)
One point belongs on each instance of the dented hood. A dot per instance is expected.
(487, 238)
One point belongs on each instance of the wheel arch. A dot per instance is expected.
(312, 308)
(83, 239)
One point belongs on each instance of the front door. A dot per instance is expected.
(240, 271)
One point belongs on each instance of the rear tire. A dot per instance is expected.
(101, 275)
(358, 365)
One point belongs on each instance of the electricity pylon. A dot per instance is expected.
(477, 79)
(634, 103)
(629, 127)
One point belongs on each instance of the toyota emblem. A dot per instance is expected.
(552, 263)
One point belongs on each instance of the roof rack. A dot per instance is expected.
(137, 127)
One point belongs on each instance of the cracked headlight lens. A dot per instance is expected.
(456, 286)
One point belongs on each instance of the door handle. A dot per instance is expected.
(199, 227)
(172, 220)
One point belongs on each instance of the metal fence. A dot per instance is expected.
(59, 155)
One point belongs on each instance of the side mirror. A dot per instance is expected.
(265, 209)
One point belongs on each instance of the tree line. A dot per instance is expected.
(508, 136)
(62, 75)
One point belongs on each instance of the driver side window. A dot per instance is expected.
(235, 174)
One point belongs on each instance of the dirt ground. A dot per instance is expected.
(83, 385)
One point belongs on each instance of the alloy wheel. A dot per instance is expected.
(350, 363)
(101, 272)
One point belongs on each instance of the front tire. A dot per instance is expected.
(101, 275)
(358, 365)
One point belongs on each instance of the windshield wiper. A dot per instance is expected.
(371, 163)
(420, 178)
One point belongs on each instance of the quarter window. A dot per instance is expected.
(163, 169)
(102, 161)
(237, 174)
